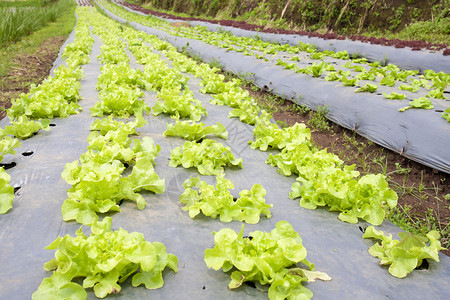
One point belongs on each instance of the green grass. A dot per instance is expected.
(27, 3)
(434, 32)
(62, 26)
(20, 21)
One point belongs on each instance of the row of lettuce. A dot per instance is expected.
(99, 185)
(357, 72)
(56, 96)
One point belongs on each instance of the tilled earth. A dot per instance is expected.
(27, 69)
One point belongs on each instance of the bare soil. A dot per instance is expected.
(27, 69)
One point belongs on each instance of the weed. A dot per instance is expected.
(403, 217)
(282, 124)
(318, 120)
(247, 78)
(381, 162)
(216, 64)
(400, 170)
(303, 109)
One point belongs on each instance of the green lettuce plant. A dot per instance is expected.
(189, 130)
(394, 96)
(405, 255)
(7, 145)
(6, 192)
(55, 97)
(24, 128)
(268, 134)
(105, 259)
(209, 157)
(247, 112)
(266, 258)
(369, 87)
(97, 182)
(121, 101)
(179, 106)
(446, 114)
(421, 102)
(217, 201)
(411, 88)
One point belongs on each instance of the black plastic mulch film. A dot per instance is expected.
(335, 247)
(420, 135)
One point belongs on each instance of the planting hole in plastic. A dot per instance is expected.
(27, 153)
(8, 165)
(363, 228)
(16, 190)
(425, 265)
(52, 125)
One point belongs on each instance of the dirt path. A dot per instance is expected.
(28, 69)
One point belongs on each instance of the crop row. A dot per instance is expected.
(414, 45)
(56, 96)
(107, 258)
(328, 65)
(372, 189)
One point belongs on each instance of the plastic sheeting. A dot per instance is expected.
(405, 58)
(420, 135)
(35, 220)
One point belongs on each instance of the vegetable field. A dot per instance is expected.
(135, 171)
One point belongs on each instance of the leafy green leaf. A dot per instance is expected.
(265, 258)
(367, 88)
(97, 183)
(411, 88)
(24, 128)
(421, 102)
(218, 201)
(105, 259)
(208, 157)
(394, 96)
(349, 82)
(446, 114)
(55, 97)
(6, 192)
(333, 76)
(7, 145)
(405, 255)
(179, 106)
(120, 101)
(192, 131)
(388, 81)
(268, 134)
